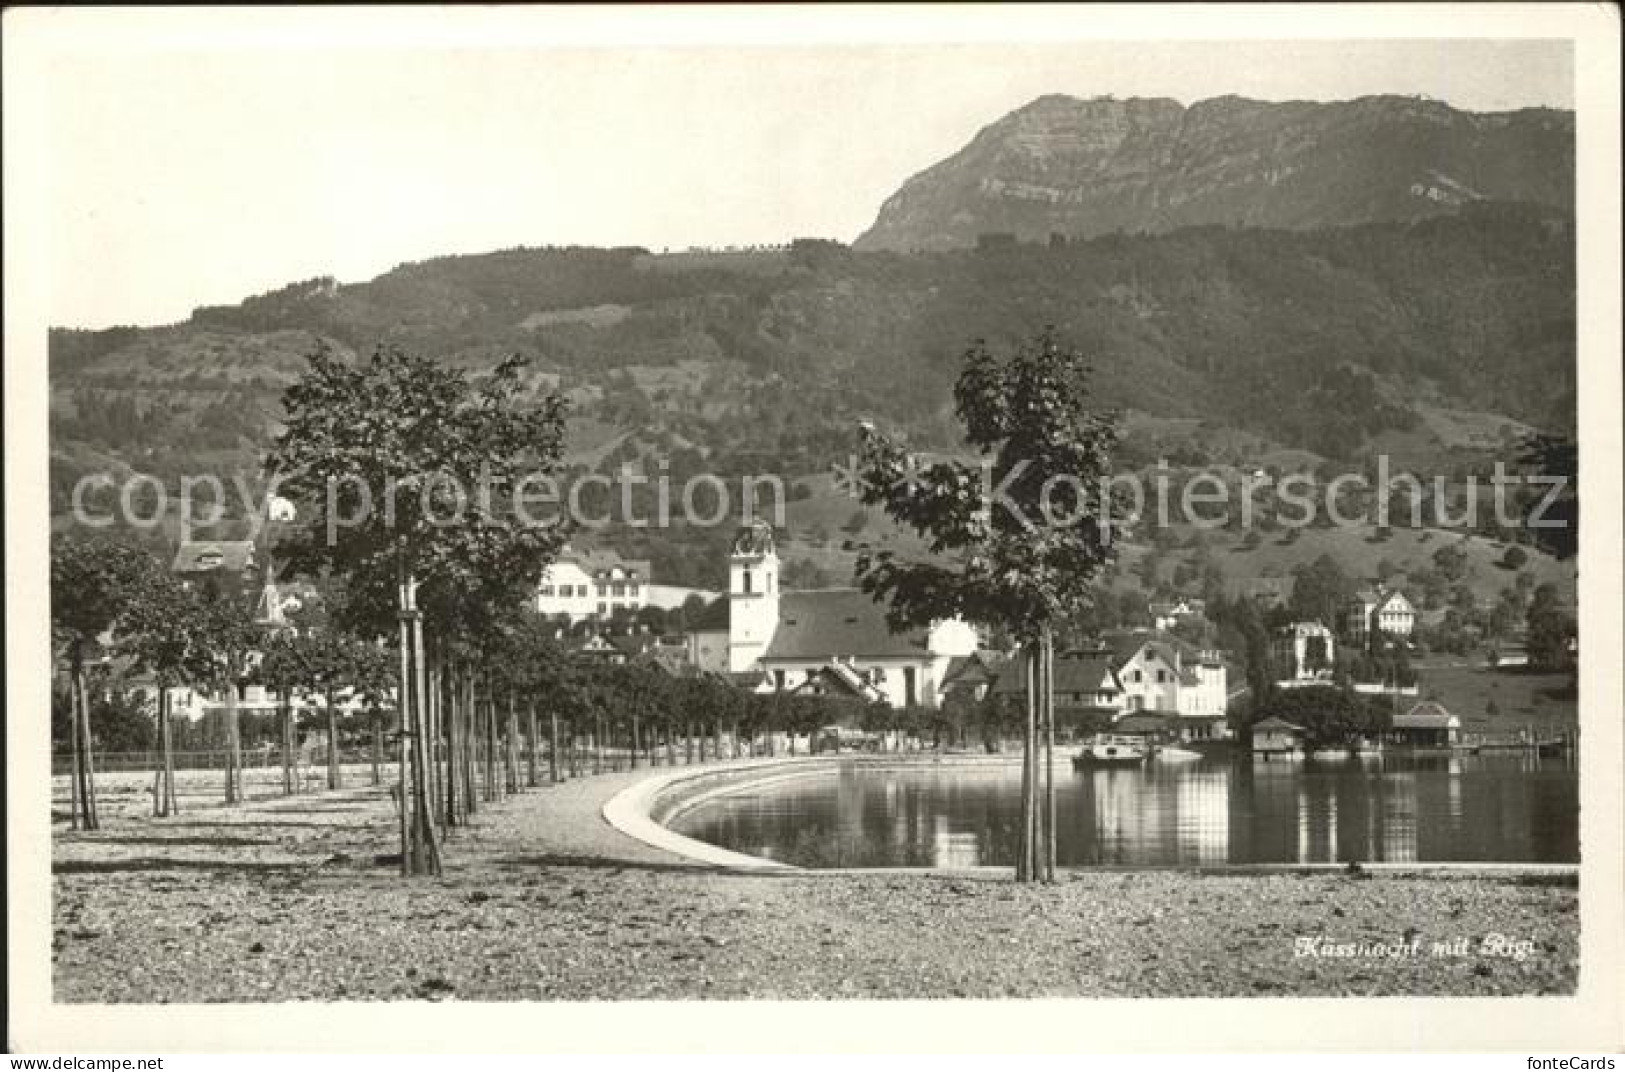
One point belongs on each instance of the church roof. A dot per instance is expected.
(834, 622)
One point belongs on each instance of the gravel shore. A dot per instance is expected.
(297, 899)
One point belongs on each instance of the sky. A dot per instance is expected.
(199, 175)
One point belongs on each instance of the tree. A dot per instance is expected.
(96, 586)
(283, 668)
(379, 454)
(1330, 717)
(165, 640)
(1452, 563)
(1320, 589)
(1554, 460)
(229, 639)
(1551, 630)
(1024, 562)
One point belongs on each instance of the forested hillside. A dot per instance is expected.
(1323, 340)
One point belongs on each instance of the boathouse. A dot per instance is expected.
(1277, 736)
(1426, 725)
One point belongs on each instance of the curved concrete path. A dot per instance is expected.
(632, 810)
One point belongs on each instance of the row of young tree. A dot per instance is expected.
(501, 703)
(473, 676)
(360, 434)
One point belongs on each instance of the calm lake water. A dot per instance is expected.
(1507, 807)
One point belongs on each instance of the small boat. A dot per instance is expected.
(1329, 755)
(1173, 754)
(1112, 750)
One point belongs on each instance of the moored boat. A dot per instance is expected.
(1112, 750)
(1175, 754)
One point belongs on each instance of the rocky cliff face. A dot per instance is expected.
(1081, 168)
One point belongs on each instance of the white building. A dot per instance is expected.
(593, 584)
(827, 640)
(1165, 616)
(1308, 652)
(1375, 610)
(1162, 673)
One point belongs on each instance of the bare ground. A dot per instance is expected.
(299, 899)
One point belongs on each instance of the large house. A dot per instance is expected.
(1134, 674)
(832, 641)
(1163, 673)
(592, 585)
(1374, 611)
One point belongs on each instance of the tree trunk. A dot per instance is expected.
(511, 751)
(1025, 853)
(636, 743)
(377, 748)
(234, 741)
(471, 801)
(533, 747)
(493, 788)
(553, 742)
(436, 748)
(403, 703)
(451, 794)
(74, 808)
(160, 802)
(289, 743)
(87, 752)
(423, 814)
(689, 744)
(1048, 698)
(335, 779)
(172, 803)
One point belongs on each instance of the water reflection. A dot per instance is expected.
(1512, 806)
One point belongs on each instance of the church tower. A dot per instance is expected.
(753, 595)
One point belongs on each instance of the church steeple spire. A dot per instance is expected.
(753, 594)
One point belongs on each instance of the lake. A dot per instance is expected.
(1497, 806)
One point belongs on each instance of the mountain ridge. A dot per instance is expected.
(1076, 168)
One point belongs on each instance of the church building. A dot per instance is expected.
(829, 640)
